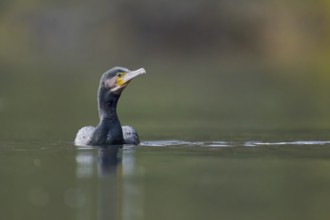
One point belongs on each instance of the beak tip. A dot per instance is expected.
(143, 71)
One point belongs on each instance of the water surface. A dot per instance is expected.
(166, 179)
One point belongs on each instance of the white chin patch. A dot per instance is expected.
(117, 88)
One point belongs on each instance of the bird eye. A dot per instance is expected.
(119, 74)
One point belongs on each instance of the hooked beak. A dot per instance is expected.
(123, 81)
(132, 74)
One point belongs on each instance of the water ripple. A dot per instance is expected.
(164, 143)
(260, 143)
(169, 143)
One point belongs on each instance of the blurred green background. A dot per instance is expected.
(212, 66)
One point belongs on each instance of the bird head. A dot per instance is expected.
(112, 84)
(116, 79)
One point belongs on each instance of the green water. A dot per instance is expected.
(225, 146)
(166, 180)
(241, 148)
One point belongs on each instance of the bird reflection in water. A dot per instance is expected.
(108, 160)
(111, 182)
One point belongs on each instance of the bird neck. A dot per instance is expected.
(107, 102)
(108, 109)
(109, 129)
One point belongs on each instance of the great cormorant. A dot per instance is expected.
(109, 130)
